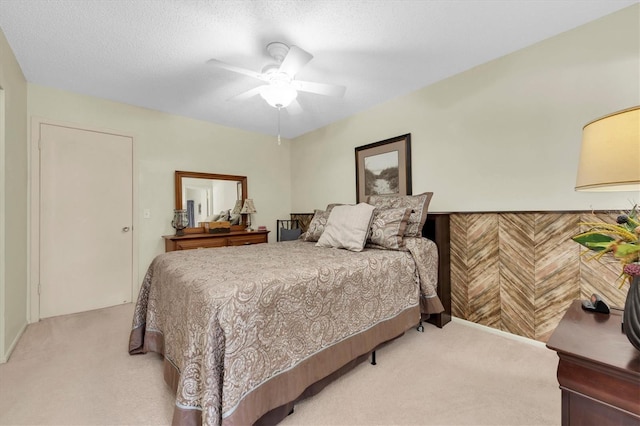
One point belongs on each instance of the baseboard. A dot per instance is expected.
(500, 332)
(5, 357)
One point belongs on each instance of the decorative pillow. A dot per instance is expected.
(316, 227)
(388, 227)
(418, 203)
(347, 227)
(235, 218)
(224, 216)
(332, 205)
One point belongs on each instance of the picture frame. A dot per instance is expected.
(384, 167)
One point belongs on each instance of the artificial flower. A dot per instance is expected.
(621, 240)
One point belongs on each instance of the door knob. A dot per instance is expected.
(125, 229)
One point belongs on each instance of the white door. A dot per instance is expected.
(86, 213)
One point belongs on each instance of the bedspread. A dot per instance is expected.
(231, 319)
(425, 254)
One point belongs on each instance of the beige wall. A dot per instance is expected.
(13, 200)
(164, 143)
(504, 136)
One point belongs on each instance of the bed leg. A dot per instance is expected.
(420, 327)
(373, 358)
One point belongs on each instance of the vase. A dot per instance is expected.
(631, 315)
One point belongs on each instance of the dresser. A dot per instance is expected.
(196, 241)
(598, 369)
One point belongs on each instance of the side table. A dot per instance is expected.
(598, 369)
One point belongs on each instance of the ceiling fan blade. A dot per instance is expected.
(319, 88)
(295, 59)
(239, 70)
(294, 108)
(248, 94)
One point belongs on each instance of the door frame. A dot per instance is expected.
(4, 352)
(33, 297)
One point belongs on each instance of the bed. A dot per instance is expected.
(247, 331)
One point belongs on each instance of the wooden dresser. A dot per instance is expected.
(598, 370)
(196, 241)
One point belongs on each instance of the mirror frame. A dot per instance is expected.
(182, 174)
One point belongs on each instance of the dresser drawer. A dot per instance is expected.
(202, 240)
(201, 243)
(242, 240)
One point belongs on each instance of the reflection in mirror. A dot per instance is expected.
(210, 197)
(208, 200)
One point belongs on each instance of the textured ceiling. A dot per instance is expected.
(153, 53)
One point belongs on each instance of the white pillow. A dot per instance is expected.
(347, 227)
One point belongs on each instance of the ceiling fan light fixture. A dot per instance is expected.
(278, 95)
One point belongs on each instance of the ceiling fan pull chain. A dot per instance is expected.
(279, 108)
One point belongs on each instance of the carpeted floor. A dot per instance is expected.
(75, 370)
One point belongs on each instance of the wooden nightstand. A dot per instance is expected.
(195, 241)
(598, 370)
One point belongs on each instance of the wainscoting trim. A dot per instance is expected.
(519, 271)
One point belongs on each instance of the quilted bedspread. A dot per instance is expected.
(229, 319)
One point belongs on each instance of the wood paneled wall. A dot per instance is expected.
(519, 272)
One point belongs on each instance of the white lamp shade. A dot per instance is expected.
(610, 154)
(278, 95)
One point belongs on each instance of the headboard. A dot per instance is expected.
(436, 228)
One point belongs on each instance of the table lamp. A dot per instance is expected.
(248, 208)
(610, 161)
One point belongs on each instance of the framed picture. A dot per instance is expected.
(384, 168)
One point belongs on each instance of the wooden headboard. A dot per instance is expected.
(436, 228)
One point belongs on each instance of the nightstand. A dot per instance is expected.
(598, 370)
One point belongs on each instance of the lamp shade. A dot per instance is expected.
(237, 208)
(248, 207)
(610, 153)
(278, 95)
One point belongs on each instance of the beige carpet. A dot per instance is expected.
(75, 370)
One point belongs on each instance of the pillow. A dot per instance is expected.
(223, 216)
(347, 227)
(235, 218)
(388, 227)
(332, 205)
(316, 226)
(418, 203)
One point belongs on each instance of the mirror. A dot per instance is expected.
(207, 195)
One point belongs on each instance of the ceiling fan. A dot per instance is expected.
(281, 88)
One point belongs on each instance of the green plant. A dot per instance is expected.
(621, 240)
